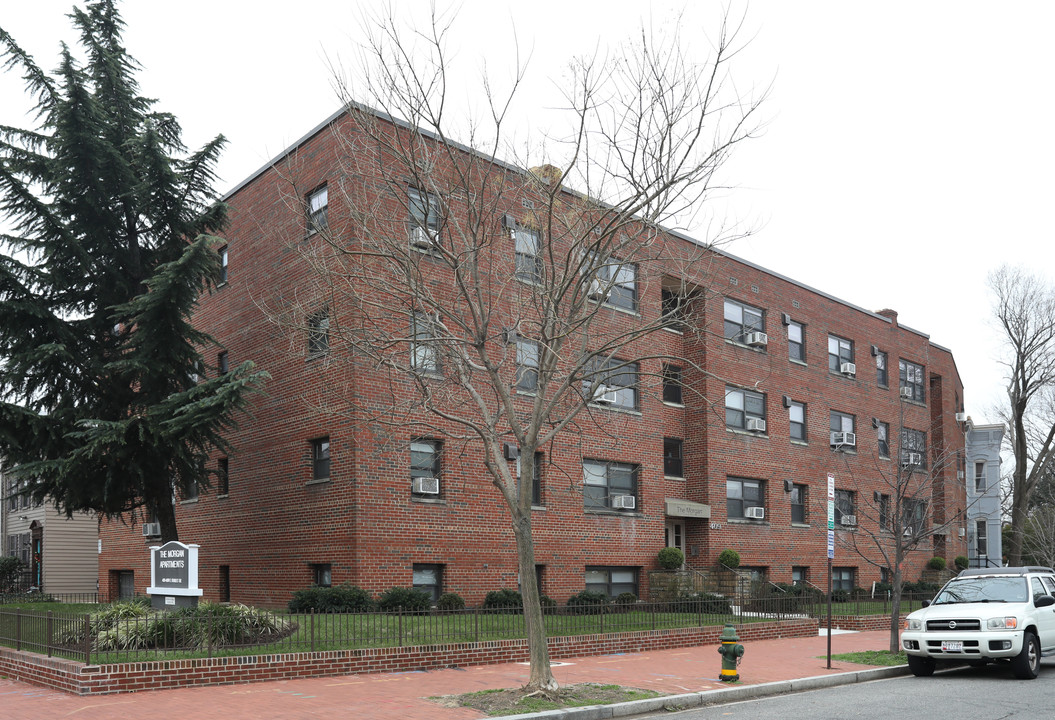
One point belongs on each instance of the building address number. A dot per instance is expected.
(716, 526)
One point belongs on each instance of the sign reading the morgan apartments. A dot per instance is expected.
(174, 574)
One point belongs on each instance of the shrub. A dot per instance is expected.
(399, 598)
(11, 569)
(729, 558)
(936, 563)
(705, 603)
(670, 558)
(588, 602)
(960, 562)
(343, 598)
(626, 601)
(450, 601)
(504, 599)
(547, 602)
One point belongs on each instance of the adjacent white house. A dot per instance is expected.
(984, 546)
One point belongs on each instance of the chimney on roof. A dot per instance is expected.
(888, 313)
(547, 173)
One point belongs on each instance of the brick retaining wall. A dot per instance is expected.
(78, 678)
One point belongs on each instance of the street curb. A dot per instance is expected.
(735, 693)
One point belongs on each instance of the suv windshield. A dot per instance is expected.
(983, 589)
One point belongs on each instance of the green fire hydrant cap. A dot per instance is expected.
(729, 634)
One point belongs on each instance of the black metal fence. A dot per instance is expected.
(103, 638)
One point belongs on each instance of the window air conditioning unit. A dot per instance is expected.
(962, 532)
(911, 458)
(756, 424)
(151, 529)
(419, 237)
(841, 439)
(906, 393)
(849, 520)
(596, 291)
(848, 369)
(756, 339)
(605, 395)
(908, 531)
(961, 417)
(624, 502)
(959, 475)
(755, 513)
(426, 485)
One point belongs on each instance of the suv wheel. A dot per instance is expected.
(921, 666)
(1026, 664)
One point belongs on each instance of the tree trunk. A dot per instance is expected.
(895, 610)
(541, 676)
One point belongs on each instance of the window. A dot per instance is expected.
(223, 363)
(620, 280)
(322, 574)
(797, 420)
(798, 504)
(840, 351)
(317, 202)
(320, 459)
(913, 442)
(221, 277)
(424, 214)
(979, 477)
(528, 254)
(883, 435)
(189, 492)
(223, 484)
(612, 581)
(881, 373)
(672, 384)
(319, 334)
(672, 462)
(743, 405)
(673, 310)
(796, 342)
(910, 375)
(605, 482)
(884, 512)
(423, 357)
(843, 579)
(613, 383)
(536, 481)
(915, 514)
(742, 319)
(799, 575)
(844, 505)
(981, 538)
(430, 579)
(527, 365)
(841, 422)
(424, 462)
(741, 494)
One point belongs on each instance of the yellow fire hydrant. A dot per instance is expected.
(731, 651)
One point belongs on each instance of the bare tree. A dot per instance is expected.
(1038, 539)
(907, 506)
(1025, 311)
(505, 307)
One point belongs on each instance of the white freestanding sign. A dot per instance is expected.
(174, 575)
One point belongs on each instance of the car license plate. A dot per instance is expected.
(952, 645)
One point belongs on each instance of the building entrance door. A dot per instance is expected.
(674, 534)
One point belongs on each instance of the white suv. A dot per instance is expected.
(982, 615)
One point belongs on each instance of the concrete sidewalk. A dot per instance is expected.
(404, 696)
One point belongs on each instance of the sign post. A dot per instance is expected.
(173, 576)
(831, 555)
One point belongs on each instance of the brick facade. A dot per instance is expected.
(261, 540)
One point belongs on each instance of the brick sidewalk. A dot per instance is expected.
(404, 696)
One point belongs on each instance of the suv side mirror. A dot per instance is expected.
(1044, 601)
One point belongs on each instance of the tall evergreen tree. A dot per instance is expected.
(102, 401)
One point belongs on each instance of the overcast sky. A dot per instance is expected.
(909, 148)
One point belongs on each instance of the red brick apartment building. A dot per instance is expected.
(797, 384)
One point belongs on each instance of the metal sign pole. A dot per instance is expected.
(831, 555)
